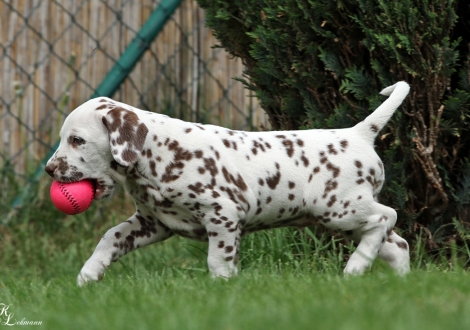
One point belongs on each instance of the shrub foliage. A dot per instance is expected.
(321, 64)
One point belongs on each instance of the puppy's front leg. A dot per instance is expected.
(136, 232)
(224, 240)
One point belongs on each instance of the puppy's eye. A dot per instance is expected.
(76, 141)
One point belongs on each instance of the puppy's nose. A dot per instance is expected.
(50, 169)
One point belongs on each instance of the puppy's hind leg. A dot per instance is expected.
(372, 235)
(395, 252)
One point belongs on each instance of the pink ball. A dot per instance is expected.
(72, 198)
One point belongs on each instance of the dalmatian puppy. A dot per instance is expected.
(214, 184)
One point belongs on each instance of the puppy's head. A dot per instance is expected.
(95, 138)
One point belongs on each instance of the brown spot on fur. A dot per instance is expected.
(334, 169)
(215, 221)
(289, 147)
(101, 107)
(402, 245)
(153, 166)
(210, 165)
(323, 158)
(383, 218)
(239, 182)
(332, 201)
(226, 174)
(273, 181)
(331, 149)
(330, 185)
(129, 155)
(304, 160)
(198, 188)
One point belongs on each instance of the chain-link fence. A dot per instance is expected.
(54, 54)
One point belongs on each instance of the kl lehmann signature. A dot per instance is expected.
(7, 317)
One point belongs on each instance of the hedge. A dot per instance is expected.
(321, 64)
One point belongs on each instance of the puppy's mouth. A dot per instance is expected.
(102, 190)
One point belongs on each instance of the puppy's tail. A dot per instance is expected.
(370, 127)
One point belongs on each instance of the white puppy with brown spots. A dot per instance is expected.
(214, 184)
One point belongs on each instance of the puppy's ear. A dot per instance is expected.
(127, 134)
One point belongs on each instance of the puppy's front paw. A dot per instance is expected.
(357, 265)
(93, 270)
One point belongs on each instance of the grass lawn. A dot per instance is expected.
(147, 299)
(284, 283)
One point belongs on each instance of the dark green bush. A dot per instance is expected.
(321, 64)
